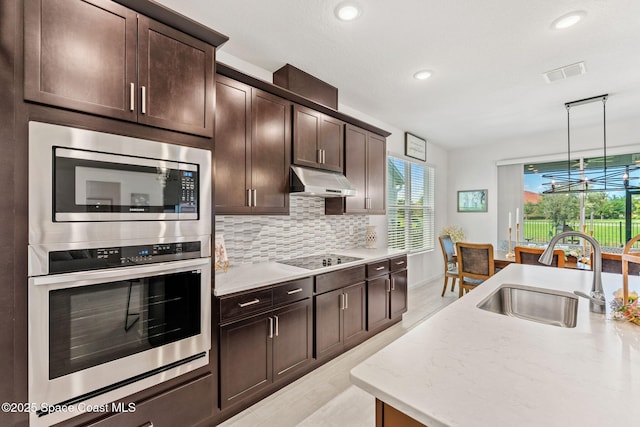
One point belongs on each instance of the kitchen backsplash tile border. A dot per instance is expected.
(305, 231)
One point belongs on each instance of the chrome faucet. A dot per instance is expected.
(597, 302)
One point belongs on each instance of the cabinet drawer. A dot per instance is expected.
(379, 268)
(339, 279)
(184, 405)
(398, 263)
(245, 304)
(295, 290)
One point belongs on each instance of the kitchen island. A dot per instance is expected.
(469, 367)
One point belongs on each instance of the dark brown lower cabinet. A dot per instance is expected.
(340, 319)
(378, 302)
(398, 294)
(258, 351)
(386, 292)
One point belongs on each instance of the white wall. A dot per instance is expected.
(424, 266)
(475, 168)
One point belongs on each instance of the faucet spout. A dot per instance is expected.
(597, 302)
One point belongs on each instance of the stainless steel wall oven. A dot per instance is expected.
(119, 266)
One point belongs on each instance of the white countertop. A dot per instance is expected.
(469, 367)
(245, 277)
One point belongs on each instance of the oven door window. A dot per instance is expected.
(115, 187)
(95, 324)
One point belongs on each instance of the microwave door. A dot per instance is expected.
(92, 186)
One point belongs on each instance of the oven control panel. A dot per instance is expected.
(120, 256)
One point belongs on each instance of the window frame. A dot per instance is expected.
(404, 237)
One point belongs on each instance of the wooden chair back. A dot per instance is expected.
(612, 263)
(475, 264)
(525, 255)
(448, 251)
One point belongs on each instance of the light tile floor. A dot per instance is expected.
(325, 397)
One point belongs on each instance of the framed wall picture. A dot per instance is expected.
(415, 147)
(472, 201)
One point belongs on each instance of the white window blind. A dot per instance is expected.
(410, 206)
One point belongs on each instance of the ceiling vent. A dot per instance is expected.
(565, 72)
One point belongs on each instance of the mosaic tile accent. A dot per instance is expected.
(305, 231)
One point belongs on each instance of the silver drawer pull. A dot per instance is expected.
(248, 303)
(380, 268)
(294, 291)
(399, 262)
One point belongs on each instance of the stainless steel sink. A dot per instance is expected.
(535, 304)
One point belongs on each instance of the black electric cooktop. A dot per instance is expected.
(314, 262)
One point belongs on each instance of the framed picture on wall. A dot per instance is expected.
(472, 201)
(415, 147)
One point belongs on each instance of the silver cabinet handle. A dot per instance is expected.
(144, 100)
(270, 327)
(249, 197)
(380, 268)
(388, 283)
(346, 301)
(255, 197)
(341, 301)
(147, 424)
(132, 96)
(399, 262)
(393, 284)
(324, 157)
(294, 291)
(248, 303)
(277, 325)
(319, 156)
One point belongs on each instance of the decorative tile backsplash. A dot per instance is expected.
(305, 231)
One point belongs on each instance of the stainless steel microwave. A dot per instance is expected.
(87, 186)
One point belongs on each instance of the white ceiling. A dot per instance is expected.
(487, 56)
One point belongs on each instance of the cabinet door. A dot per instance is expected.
(355, 313)
(328, 324)
(81, 55)
(175, 75)
(355, 168)
(376, 175)
(398, 293)
(306, 136)
(270, 152)
(245, 358)
(331, 142)
(232, 157)
(292, 345)
(377, 302)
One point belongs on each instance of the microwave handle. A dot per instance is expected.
(84, 278)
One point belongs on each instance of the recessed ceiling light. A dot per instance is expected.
(423, 74)
(348, 11)
(568, 20)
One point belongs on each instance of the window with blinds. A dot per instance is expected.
(410, 205)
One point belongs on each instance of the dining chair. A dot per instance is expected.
(475, 264)
(612, 263)
(525, 255)
(450, 262)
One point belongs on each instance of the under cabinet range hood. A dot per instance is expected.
(315, 182)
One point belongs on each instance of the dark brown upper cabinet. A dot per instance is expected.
(365, 161)
(318, 140)
(252, 150)
(101, 58)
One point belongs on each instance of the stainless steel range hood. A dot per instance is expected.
(314, 182)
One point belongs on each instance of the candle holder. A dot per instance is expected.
(510, 254)
(517, 233)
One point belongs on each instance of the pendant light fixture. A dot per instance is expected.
(613, 178)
